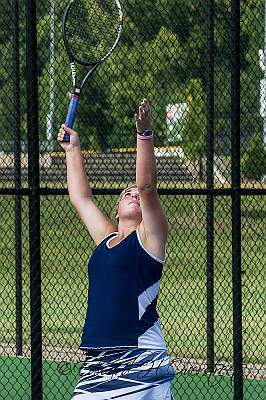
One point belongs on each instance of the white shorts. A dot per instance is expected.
(137, 374)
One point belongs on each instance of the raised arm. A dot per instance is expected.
(79, 189)
(153, 228)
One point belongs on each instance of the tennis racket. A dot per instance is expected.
(91, 31)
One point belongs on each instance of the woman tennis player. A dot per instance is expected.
(126, 356)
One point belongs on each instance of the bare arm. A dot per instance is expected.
(153, 228)
(80, 193)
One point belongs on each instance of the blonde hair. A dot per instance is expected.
(115, 209)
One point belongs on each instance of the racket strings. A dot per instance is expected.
(92, 28)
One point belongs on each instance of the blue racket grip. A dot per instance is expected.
(71, 114)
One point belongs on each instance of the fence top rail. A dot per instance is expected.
(161, 191)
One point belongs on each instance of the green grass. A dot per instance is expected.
(66, 247)
(59, 380)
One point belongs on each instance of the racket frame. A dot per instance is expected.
(75, 94)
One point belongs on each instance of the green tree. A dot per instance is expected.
(161, 53)
(194, 130)
(253, 163)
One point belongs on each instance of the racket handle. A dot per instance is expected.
(71, 114)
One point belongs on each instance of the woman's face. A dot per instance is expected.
(129, 204)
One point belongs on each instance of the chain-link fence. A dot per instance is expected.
(202, 65)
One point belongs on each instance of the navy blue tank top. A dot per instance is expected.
(123, 289)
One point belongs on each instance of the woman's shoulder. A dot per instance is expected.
(155, 249)
(108, 235)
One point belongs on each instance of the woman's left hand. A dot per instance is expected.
(143, 117)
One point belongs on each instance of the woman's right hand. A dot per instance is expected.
(74, 138)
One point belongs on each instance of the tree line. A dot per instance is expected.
(161, 55)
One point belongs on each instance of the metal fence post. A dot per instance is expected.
(210, 180)
(17, 166)
(34, 200)
(236, 201)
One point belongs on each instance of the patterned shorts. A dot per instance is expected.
(137, 374)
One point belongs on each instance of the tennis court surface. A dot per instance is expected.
(59, 378)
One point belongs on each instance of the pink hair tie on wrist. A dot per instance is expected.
(145, 135)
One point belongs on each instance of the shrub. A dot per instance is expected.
(253, 163)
